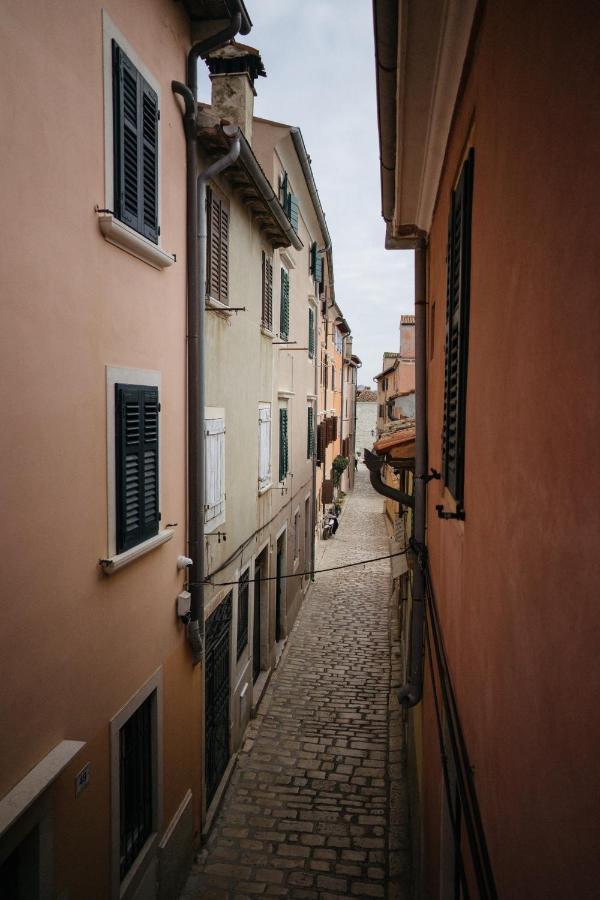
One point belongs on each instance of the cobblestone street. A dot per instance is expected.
(316, 805)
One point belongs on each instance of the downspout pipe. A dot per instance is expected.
(374, 464)
(410, 694)
(195, 330)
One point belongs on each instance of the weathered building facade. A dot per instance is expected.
(488, 147)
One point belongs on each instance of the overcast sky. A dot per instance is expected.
(320, 67)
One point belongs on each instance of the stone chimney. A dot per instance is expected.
(407, 337)
(233, 71)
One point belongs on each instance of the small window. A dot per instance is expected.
(289, 201)
(214, 464)
(283, 442)
(284, 314)
(267, 291)
(217, 247)
(333, 377)
(264, 445)
(136, 784)
(135, 135)
(136, 457)
(242, 625)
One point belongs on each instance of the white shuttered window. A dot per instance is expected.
(214, 462)
(264, 445)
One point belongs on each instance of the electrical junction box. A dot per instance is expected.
(184, 604)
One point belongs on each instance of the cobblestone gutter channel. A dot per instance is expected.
(316, 807)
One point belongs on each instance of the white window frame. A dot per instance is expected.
(213, 413)
(114, 230)
(120, 890)
(265, 481)
(113, 560)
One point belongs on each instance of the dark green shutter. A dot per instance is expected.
(284, 317)
(283, 444)
(136, 414)
(457, 332)
(135, 120)
(310, 433)
(267, 291)
(311, 332)
(293, 214)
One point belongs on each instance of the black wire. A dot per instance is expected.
(361, 562)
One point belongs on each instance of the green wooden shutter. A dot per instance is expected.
(135, 127)
(267, 291)
(284, 317)
(283, 444)
(310, 433)
(457, 331)
(293, 214)
(136, 414)
(127, 141)
(313, 259)
(149, 180)
(311, 332)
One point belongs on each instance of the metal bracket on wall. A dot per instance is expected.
(433, 474)
(444, 514)
(219, 534)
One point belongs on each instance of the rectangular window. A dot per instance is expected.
(321, 441)
(267, 291)
(283, 442)
(136, 469)
(457, 330)
(311, 332)
(217, 247)
(214, 469)
(135, 147)
(136, 784)
(264, 445)
(289, 201)
(242, 625)
(284, 313)
(333, 377)
(310, 432)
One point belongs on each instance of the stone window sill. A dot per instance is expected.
(218, 307)
(263, 488)
(124, 237)
(119, 560)
(267, 332)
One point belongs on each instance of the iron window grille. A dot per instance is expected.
(136, 784)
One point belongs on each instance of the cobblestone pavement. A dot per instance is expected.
(316, 805)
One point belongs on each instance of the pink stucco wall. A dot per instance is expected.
(75, 643)
(517, 583)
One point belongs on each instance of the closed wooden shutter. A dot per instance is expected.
(267, 291)
(310, 433)
(136, 430)
(135, 118)
(311, 332)
(457, 328)
(264, 445)
(327, 493)
(242, 624)
(335, 427)
(284, 317)
(217, 248)
(321, 442)
(283, 443)
(214, 467)
(293, 213)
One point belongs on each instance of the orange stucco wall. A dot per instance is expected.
(517, 582)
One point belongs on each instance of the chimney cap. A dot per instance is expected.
(236, 59)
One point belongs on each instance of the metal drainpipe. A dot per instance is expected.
(411, 693)
(195, 338)
(313, 510)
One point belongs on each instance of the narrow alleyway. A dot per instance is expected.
(316, 806)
